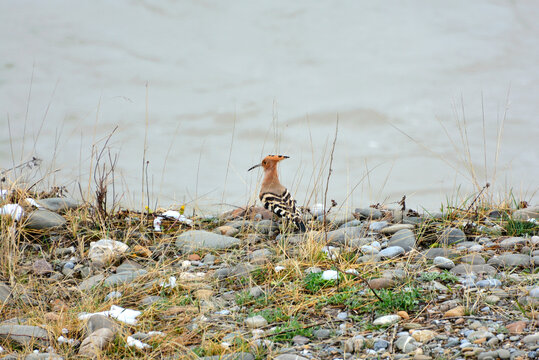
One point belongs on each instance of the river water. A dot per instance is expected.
(421, 90)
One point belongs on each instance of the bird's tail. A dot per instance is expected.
(300, 224)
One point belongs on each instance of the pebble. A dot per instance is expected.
(404, 238)
(387, 320)
(488, 283)
(391, 252)
(450, 236)
(256, 321)
(42, 219)
(443, 263)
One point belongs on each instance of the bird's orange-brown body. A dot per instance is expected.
(274, 195)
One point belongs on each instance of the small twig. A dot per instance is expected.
(390, 349)
(329, 176)
(477, 196)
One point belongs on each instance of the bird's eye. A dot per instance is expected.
(264, 162)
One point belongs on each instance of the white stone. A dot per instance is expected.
(387, 320)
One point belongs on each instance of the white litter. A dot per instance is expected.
(1, 349)
(352, 271)
(279, 268)
(4, 193)
(105, 250)
(119, 313)
(170, 284)
(330, 275)
(32, 202)
(131, 341)
(157, 223)
(64, 340)
(14, 210)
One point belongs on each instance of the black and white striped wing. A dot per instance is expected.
(284, 206)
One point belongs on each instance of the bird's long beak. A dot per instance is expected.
(252, 167)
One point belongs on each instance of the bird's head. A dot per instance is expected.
(270, 161)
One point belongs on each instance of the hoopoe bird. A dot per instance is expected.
(275, 196)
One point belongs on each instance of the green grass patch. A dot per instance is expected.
(444, 276)
(292, 328)
(314, 282)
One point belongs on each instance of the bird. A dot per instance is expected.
(275, 196)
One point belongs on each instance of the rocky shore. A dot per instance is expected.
(372, 283)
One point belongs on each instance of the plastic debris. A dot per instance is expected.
(119, 313)
(171, 214)
(131, 341)
(104, 250)
(170, 284)
(14, 210)
(32, 202)
(279, 268)
(330, 275)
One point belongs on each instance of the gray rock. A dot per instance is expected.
(198, 239)
(474, 259)
(432, 253)
(234, 356)
(256, 321)
(322, 333)
(479, 334)
(352, 223)
(377, 225)
(266, 226)
(338, 219)
(41, 219)
(97, 341)
(89, 283)
(123, 278)
(260, 256)
(368, 213)
(406, 344)
(289, 357)
(404, 238)
(534, 292)
(256, 291)
(531, 339)
(467, 269)
(41, 267)
(488, 283)
(504, 354)
(222, 273)
(511, 260)
(386, 320)
(512, 243)
(5, 293)
(344, 235)
(380, 344)
(24, 334)
(369, 250)
(209, 259)
(443, 263)
(58, 204)
(300, 340)
(391, 252)
(488, 355)
(43, 356)
(150, 300)
(451, 236)
(128, 266)
(97, 321)
(528, 213)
